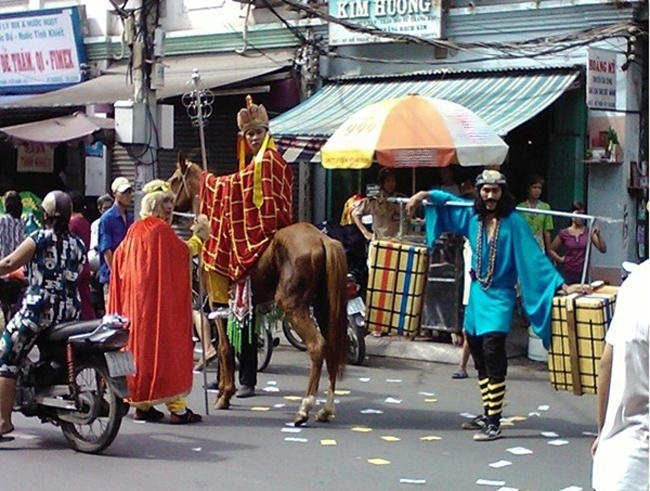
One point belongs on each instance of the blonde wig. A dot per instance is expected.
(155, 193)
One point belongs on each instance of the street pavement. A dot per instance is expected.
(397, 427)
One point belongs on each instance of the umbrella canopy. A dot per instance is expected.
(64, 129)
(413, 131)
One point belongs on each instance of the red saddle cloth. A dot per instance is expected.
(240, 230)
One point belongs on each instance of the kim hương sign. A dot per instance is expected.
(40, 50)
(601, 79)
(421, 18)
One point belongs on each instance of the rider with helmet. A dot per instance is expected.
(54, 259)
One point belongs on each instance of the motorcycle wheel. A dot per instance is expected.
(93, 437)
(264, 349)
(356, 343)
(292, 337)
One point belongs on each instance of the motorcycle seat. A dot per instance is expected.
(62, 332)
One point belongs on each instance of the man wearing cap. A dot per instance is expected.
(504, 249)
(113, 226)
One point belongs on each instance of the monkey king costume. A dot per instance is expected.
(512, 254)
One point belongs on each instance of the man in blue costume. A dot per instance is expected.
(504, 250)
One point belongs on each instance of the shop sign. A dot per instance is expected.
(421, 18)
(601, 79)
(35, 157)
(41, 50)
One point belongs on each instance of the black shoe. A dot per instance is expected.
(152, 415)
(491, 432)
(189, 417)
(212, 386)
(245, 391)
(478, 423)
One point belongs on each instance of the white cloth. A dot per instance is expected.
(621, 460)
(93, 252)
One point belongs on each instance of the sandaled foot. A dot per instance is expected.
(460, 373)
(188, 417)
(151, 415)
(4, 436)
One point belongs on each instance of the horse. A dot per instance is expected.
(301, 268)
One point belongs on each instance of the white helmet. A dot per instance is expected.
(57, 204)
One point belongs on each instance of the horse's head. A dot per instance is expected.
(184, 182)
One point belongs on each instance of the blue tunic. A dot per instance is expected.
(518, 256)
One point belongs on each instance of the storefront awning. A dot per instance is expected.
(502, 100)
(216, 70)
(52, 131)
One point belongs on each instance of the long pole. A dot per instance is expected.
(198, 101)
(591, 219)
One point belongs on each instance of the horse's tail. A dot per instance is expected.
(337, 331)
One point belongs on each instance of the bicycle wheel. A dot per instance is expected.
(264, 348)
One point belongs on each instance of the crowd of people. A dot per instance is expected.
(507, 255)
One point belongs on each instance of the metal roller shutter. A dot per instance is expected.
(122, 164)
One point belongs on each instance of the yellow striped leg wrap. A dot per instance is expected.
(497, 393)
(485, 394)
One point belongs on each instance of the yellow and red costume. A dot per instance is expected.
(241, 226)
(244, 209)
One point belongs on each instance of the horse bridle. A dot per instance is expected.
(184, 184)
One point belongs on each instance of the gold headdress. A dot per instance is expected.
(252, 116)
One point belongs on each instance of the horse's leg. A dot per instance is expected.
(226, 368)
(304, 325)
(320, 311)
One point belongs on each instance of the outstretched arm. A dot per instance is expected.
(23, 253)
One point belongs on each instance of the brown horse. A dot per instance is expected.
(301, 268)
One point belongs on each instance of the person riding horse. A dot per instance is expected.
(246, 209)
(255, 252)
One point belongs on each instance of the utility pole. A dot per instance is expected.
(145, 83)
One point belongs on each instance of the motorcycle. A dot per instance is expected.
(78, 381)
(356, 311)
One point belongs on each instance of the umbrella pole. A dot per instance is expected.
(413, 190)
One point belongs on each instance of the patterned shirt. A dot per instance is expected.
(12, 233)
(52, 274)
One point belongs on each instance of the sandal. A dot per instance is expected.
(188, 417)
(460, 373)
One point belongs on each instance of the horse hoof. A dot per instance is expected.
(221, 404)
(323, 416)
(300, 419)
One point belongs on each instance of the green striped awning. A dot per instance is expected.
(502, 100)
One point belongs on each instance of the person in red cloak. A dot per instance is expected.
(151, 286)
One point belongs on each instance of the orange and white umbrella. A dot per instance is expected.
(413, 131)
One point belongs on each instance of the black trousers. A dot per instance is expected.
(248, 358)
(489, 355)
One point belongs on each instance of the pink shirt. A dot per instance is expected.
(575, 250)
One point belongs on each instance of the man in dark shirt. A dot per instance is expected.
(113, 226)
